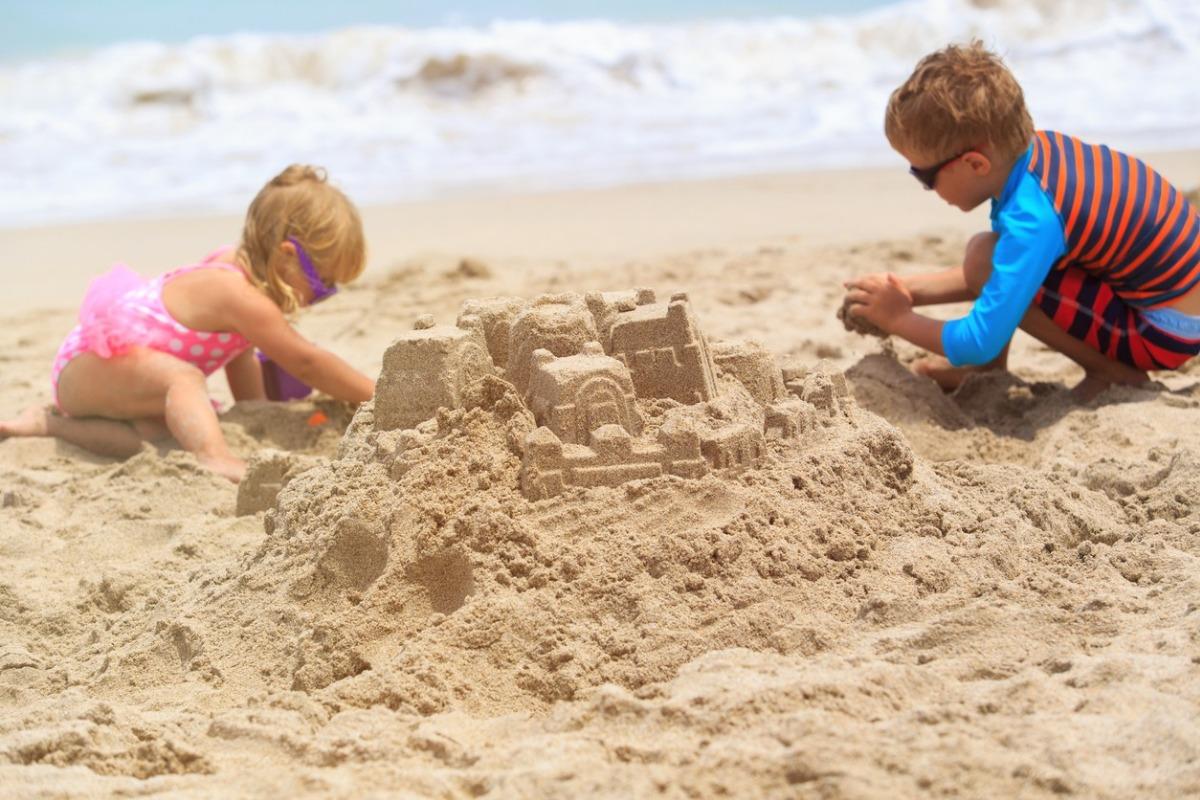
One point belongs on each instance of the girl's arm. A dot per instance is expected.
(245, 377)
(254, 316)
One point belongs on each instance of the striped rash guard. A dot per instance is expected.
(1067, 204)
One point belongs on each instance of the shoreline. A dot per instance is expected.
(818, 207)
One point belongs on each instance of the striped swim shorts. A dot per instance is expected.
(1088, 309)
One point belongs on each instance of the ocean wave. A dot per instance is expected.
(396, 113)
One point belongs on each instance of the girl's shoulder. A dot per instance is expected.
(223, 255)
(220, 259)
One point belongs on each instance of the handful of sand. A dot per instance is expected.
(856, 325)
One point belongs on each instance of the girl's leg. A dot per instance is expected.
(145, 384)
(105, 437)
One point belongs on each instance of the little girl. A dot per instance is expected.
(136, 365)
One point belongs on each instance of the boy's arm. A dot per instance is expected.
(935, 288)
(921, 330)
(245, 377)
(1031, 241)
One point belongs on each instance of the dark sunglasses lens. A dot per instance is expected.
(925, 176)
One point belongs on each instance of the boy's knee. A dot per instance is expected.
(977, 261)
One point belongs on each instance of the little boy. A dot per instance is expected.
(1091, 251)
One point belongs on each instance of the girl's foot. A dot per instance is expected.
(945, 374)
(31, 422)
(228, 467)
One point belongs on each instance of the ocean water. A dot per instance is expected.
(57, 27)
(156, 108)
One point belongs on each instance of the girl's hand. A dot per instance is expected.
(879, 298)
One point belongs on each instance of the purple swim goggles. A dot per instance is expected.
(278, 382)
(319, 289)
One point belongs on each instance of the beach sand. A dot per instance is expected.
(991, 594)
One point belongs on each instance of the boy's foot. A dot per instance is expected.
(945, 374)
(234, 469)
(1094, 383)
(1089, 389)
(31, 422)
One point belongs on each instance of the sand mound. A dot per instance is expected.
(641, 563)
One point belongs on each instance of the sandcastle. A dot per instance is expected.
(589, 369)
(429, 368)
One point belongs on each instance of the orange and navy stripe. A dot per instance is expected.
(1123, 222)
(1089, 309)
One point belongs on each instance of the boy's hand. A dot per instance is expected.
(880, 298)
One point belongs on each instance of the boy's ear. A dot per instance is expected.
(979, 163)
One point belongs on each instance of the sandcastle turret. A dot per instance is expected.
(560, 324)
(665, 351)
(428, 368)
(575, 395)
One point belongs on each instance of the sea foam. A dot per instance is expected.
(398, 113)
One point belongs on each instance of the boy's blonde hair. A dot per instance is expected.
(300, 202)
(957, 98)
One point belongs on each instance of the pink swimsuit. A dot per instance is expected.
(123, 310)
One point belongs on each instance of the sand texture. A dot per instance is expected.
(853, 587)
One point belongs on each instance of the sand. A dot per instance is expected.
(990, 594)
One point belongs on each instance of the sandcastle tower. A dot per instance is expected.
(495, 316)
(428, 368)
(560, 324)
(665, 351)
(753, 366)
(575, 395)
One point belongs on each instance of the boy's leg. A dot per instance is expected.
(1100, 370)
(143, 385)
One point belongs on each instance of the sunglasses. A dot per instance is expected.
(928, 175)
(319, 290)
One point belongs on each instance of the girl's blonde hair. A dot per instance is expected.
(960, 97)
(300, 202)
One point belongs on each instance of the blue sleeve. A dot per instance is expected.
(1031, 239)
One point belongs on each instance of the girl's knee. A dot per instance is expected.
(151, 429)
